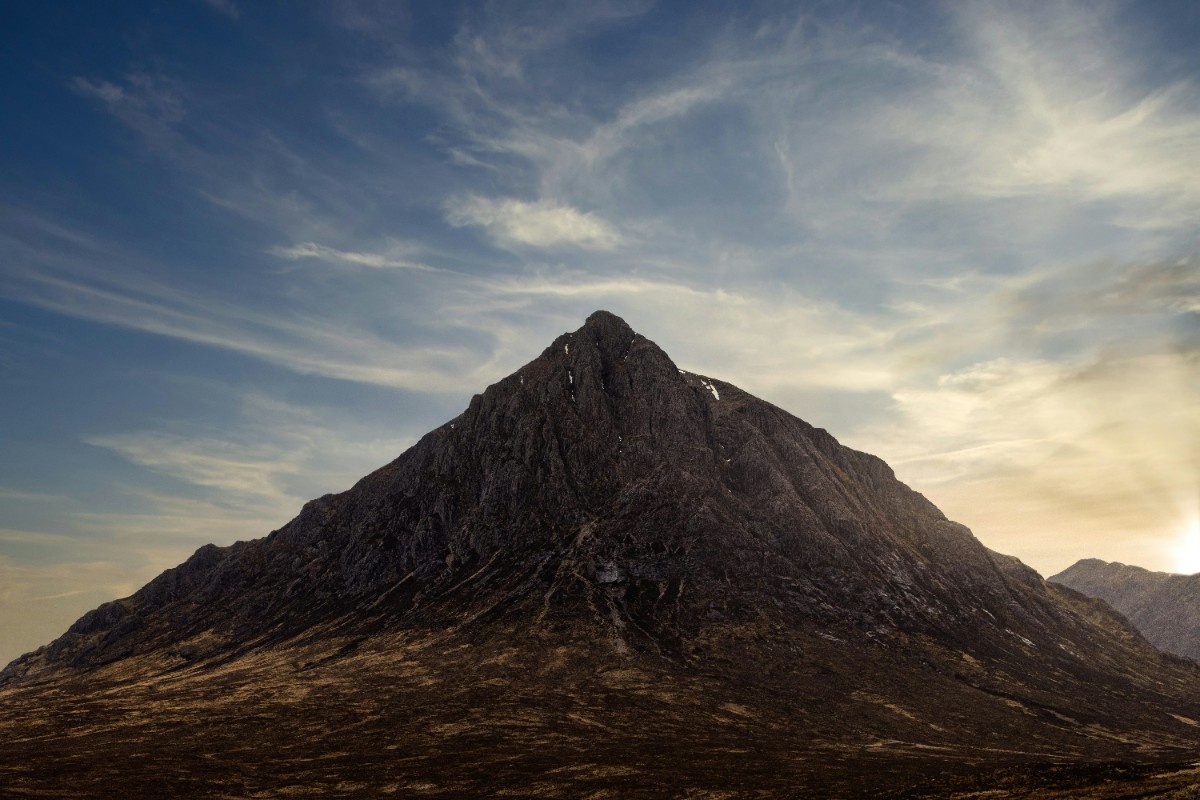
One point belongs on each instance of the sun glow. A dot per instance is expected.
(1186, 550)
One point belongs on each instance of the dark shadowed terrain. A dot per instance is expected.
(1164, 607)
(606, 578)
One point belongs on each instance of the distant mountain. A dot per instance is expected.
(1163, 606)
(606, 575)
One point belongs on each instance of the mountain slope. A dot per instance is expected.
(1164, 607)
(605, 555)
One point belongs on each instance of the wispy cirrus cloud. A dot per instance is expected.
(151, 104)
(1098, 293)
(57, 272)
(1035, 125)
(264, 461)
(320, 252)
(231, 467)
(328, 348)
(535, 224)
(253, 172)
(1046, 101)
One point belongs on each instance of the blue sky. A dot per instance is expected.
(251, 251)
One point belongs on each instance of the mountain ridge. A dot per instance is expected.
(1163, 606)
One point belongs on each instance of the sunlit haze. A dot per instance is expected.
(1186, 548)
(250, 252)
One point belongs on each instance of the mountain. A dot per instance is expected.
(1164, 607)
(607, 576)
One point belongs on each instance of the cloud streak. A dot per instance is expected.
(537, 224)
(320, 252)
(310, 347)
(64, 280)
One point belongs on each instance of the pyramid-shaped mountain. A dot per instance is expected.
(606, 575)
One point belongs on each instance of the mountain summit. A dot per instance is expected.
(605, 553)
(1163, 606)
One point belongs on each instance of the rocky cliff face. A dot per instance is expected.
(1164, 607)
(601, 510)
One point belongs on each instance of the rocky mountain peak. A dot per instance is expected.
(610, 332)
(1163, 606)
